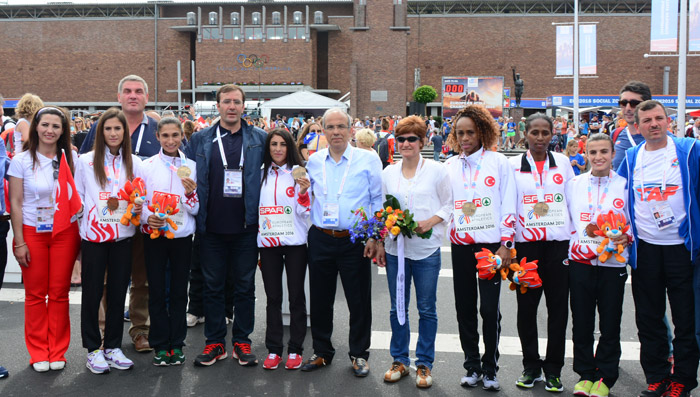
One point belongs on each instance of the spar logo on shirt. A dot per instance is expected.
(479, 202)
(586, 217)
(652, 192)
(275, 210)
(548, 198)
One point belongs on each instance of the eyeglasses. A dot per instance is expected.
(54, 164)
(336, 127)
(410, 139)
(633, 103)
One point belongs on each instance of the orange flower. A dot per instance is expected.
(389, 223)
(395, 230)
(392, 218)
(389, 210)
(398, 211)
(379, 214)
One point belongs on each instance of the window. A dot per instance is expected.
(253, 33)
(297, 32)
(275, 33)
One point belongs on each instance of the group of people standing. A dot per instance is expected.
(247, 194)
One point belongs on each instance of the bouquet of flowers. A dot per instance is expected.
(390, 220)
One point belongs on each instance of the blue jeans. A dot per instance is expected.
(425, 273)
(222, 254)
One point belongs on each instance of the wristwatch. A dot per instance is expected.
(508, 244)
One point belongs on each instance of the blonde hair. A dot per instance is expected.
(366, 137)
(28, 105)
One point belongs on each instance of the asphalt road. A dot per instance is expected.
(228, 378)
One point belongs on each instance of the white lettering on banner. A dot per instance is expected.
(483, 218)
(556, 215)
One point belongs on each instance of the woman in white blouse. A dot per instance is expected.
(423, 187)
(46, 259)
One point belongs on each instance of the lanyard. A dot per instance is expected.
(221, 150)
(669, 146)
(601, 199)
(138, 141)
(539, 182)
(114, 181)
(345, 175)
(171, 166)
(630, 137)
(471, 189)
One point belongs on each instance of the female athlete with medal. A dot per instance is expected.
(483, 217)
(167, 175)
(284, 211)
(106, 243)
(594, 284)
(46, 259)
(543, 232)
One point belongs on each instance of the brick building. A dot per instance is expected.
(74, 54)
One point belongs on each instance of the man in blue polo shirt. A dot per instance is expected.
(132, 95)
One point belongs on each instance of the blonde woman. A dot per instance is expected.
(26, 107)
(365, 139)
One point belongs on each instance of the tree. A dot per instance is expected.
(424, 94)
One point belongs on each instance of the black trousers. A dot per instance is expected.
(665, 270)
(273, 261)
(328, 257)
(4, 229)
(196, 290)
(168, 324)
(467, 288)
(602, 288)
(550, 256)
(115, 258)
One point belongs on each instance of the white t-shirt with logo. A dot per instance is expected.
(651, 165)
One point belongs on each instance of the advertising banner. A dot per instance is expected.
(670, 101)
(694, 26)
(664, 25)
(458, 92)
(565, 50)
(587, 49)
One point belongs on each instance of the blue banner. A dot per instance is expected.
(586, 101)
(565, 50)
(530, 103)
(587, 49)
(664, 25)
(694, 26)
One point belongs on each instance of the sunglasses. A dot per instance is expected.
(410, 139)
(54, 164)
(633, 103)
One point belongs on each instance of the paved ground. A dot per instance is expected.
(228, 378)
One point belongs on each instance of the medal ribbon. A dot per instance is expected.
(171, 166)
(601, 199)
(400, 280)
(539, 180)
(114, 181)
(471, 188)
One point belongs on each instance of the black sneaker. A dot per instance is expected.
(528, 379)
(677, 390)
(242, 353)
(657, 389)
(211, 354)
(553, 384)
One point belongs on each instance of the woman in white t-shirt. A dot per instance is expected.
(46, 258)
(595, 284)
(171, 180)
(27, 106)
(423, 187)
(483, 217)
(542, 233)
(106, 243)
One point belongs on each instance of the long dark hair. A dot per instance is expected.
(63, 143)
(99, 146)
(293, 156)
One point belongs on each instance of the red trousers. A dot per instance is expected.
(51, 260)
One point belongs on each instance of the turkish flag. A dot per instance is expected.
(67, 200)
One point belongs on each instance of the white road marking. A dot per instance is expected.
(509, 345)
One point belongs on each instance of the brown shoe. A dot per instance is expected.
(314, 363)
(423, 378)
(360, 367)
(395, 373)
(141, 343)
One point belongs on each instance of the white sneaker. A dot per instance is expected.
(57, 365)
(116, 359)
(96, 362)
(491, 383)
(41, 366)
(471, 379)
(193, 320)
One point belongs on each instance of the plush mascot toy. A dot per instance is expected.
(488, 264)
(525, 276)
(610, 227)
(135, 193)
(163, 206)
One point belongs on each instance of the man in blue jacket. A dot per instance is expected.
(229, 155)
(664, 190)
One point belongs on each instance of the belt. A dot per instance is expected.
(4, 217)
(334, 233)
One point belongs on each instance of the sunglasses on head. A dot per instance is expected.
(632, 102)
(411, 139)
(54, 164)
